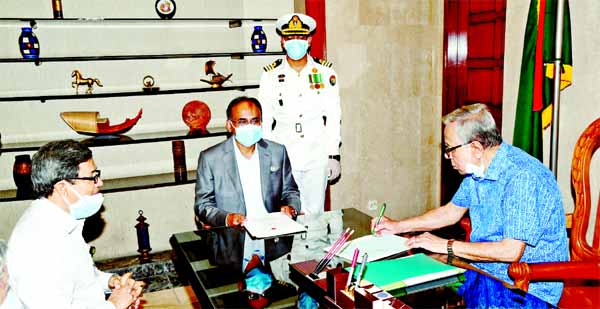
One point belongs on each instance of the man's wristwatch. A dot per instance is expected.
(335, 157)
(450, 250)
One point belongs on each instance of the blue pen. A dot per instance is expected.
(378, 218)
(363, 265)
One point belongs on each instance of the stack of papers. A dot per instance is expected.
(378, 247)
(272, 225)
(407, 271)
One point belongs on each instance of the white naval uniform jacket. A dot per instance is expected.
(297, 102)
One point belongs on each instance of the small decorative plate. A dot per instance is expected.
(165, 8)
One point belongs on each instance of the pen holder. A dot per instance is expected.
(336, 284)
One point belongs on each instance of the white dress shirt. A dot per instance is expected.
(249, 170)
(49, 262)
(11, 301)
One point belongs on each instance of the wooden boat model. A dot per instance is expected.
(89, 123)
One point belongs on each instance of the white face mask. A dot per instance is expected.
(86, 206)
(477, 170)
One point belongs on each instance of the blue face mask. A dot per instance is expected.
(248, 135)
(296, 49)
(86, 206)
(258, 281)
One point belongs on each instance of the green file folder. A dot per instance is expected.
(407, 271)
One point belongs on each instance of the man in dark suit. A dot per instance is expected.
(241, 177)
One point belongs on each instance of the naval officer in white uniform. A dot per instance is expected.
(301, 109)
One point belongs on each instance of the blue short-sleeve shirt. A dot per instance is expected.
(517, 198)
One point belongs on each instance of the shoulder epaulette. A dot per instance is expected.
(323, 62)
(273, 65)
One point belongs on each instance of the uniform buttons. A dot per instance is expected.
(302, 135)
(300, 116)
(300, 95)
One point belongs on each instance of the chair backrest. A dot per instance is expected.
(587, 144)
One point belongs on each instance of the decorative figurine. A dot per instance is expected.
(148, 82)
(217, 79)
(196, 116)
(165, 8)
(29, 44)
(179, 165)
(143, 237)
(88, 123)
(259, 40)
(79, 80)
(22, 176)
(57, 9)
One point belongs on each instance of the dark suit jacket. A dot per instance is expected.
(219, 192)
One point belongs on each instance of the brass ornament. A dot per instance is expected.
(79, 80)
(217, 79)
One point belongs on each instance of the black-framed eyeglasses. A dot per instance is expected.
(448, 150)
(244, 122)
(95, 177)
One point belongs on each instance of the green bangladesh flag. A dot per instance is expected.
(534, 103)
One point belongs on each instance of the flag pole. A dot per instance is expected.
(560, 12)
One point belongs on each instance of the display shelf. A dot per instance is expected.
(126, 93)
(233, 55)
(111, 140)
(120, 185)
(85, 19)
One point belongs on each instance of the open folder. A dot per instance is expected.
(272, 225)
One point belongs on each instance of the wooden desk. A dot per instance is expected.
(217, 287)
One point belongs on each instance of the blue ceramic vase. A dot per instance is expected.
(29, 44)
(259, 40)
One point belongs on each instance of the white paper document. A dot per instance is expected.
(272, 225)
(378, 247)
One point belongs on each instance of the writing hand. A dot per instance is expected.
(385, 226)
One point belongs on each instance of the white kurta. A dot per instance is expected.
(49, 262)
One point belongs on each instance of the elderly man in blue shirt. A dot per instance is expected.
(513, 200)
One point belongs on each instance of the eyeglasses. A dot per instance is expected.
(95, 177)
(448, 150)
(244, 122)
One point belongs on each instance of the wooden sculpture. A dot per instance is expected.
(88, 123)
(217, 79)
(79, 80)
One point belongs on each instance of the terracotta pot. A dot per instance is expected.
(196, 115)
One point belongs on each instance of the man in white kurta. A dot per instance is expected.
(48, 260)
(51, 263)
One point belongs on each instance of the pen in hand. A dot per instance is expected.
(378, 218)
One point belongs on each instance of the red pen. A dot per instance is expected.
(352, 267)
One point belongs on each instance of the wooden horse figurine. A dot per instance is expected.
(79, 80)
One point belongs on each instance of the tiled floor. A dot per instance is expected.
(164, 287)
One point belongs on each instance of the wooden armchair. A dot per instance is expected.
(582, 274)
